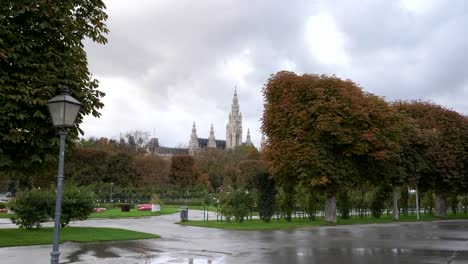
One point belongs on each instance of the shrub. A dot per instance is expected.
(32, 208)
(76, 205)
(2, 205)
(37, 206)
(237, 204)
(125, 207)
(155, 199)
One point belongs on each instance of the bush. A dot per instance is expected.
(155, 199)
(237, 204)
(125, 207)
(32, 208)
(76, 205)
(37, 206)
(2, 205)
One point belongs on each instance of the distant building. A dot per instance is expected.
(233, 132)
(233, 136)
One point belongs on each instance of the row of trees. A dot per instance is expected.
(128, 168)
(328, 134)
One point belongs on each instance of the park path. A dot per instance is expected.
(434, 242)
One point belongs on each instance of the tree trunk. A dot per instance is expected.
(395, 203)
(330, 208)
(440, 210)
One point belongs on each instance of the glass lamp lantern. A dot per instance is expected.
(64, 109)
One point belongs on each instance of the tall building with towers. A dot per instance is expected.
(233, 132)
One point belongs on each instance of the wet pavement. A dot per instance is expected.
(434, 242)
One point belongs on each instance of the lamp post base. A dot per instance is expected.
(54, 257)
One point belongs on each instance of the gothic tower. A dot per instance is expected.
(193, 143)
(248, 141)
(211, 138)
(234, 126)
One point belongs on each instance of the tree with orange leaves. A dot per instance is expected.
(322, 129)
(446, 167)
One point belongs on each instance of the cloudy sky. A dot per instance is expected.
(171, 62)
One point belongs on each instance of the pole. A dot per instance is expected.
(417, 203)
(54, 255)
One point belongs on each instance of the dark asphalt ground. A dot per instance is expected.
(412, 243)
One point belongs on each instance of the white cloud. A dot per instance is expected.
(418, 6)
(326, 42)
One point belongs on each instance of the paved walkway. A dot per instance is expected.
(435, 242)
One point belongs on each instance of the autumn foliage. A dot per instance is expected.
(330, 134)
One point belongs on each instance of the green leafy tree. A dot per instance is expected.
(379, 197)
(41, 48)
(265, 186)
(344, 204)
(308, 199)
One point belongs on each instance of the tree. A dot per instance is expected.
(445, 169)
(320, 129)
(41, 49)
(323, 130)
(265, 186)
(87, 165)
(152, 171)
(121, 169)
(182, 172)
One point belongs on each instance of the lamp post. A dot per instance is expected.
(63, 108)
(112, 187)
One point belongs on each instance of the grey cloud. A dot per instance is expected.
(174, 52)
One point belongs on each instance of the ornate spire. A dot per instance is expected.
(194, 129)
(234, 127)
(193, 143)
(211, 139)
(248, 141)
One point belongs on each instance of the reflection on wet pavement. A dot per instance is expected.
(436, 242)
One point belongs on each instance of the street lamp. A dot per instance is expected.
(63, 108)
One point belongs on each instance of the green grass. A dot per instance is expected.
(274, 224)
(5, 215)
(134, 213)
(22, 237)
(255, 224)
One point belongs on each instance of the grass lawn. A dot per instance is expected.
(22, 237)
(274, 224)
(117, 213)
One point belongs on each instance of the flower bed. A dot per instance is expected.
(3, 210)
(144, 207)
(99, 209)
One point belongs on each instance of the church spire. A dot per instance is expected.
(193, 143)
(248, 141)
(211, 139)
(234, 127)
